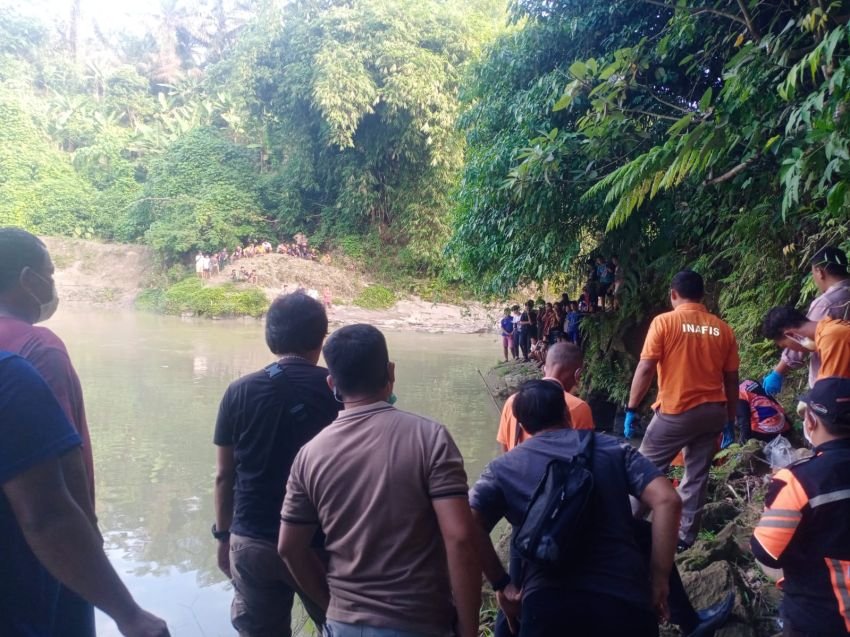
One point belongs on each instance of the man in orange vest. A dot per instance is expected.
(696, 358)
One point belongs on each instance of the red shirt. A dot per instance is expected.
(46, 352)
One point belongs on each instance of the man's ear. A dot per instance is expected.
(391, 372)
(330, 382)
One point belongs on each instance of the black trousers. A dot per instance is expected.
(551, 613)
(525, 343)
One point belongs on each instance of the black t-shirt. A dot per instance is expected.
(255, 419)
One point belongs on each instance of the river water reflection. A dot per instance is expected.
(152, 386)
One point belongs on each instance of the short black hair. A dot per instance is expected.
(295, 323)
(689, 285)
(357, 359)
(18, 249)
(539, 405)
(832, 260)
(780, 319)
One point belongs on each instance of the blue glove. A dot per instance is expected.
(728, 435)
(628, 424)
(772, 383)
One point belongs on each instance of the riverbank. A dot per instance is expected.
(112, 276)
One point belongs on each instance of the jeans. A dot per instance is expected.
(340, 629)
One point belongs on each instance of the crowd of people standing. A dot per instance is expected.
(326, 490)
(211, 264)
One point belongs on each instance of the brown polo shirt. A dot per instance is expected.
(369, 480)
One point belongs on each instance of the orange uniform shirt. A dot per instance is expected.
(692, 348)
(832, 338)
(579, 414)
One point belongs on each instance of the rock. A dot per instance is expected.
(711, 585)
(723, 547)
(716, 515)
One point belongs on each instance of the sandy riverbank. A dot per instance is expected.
(110, 276)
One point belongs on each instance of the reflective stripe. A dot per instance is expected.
(840, 586)
(826, 498)
(779, 524)
(783, 513)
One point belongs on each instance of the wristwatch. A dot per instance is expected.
(631, 410)
(220, 535)
(501, 583)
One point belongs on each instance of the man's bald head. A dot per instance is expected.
(563, 360)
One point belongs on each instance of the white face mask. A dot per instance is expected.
(806, 433)
(46, 309)
(805, 341)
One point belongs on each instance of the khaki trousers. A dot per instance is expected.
(695, 431)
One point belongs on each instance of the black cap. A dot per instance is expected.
(830, 256)
(829, 399)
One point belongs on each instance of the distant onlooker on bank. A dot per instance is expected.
(605, 589)
(264, 419)
(47, 538)
(695, 355)
(516, 315)
(199, 265)
(507, 330)
(829, 338)
(805, 527)
(829, 272)
(563, 365)
(28, 296)
(388, 490)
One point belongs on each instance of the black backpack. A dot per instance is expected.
(554, 528)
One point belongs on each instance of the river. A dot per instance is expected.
(152, 386)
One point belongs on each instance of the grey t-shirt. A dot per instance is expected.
(369, 480)
(613, 564)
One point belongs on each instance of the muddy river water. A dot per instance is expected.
(152, 386)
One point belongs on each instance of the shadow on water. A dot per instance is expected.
(152, 386)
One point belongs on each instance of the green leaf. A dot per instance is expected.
(705, 101)
(771, 142)
(578, 70)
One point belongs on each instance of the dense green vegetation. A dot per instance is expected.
(703, 133)
(193, 297)
(224, 121)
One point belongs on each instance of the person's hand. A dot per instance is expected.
(660, 593)
(223, 557)
(629, 424)
(728, 435)
(143, 624)
(510, 601)
(772, 383)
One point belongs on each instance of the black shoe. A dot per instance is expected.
(713, 617)
(683, 546)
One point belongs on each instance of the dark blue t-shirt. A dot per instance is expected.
(613, 563)
(507, 325)
(33, 429)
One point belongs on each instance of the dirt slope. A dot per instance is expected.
(112, 275)
(92, 273)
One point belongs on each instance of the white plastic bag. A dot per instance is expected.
(779, 453)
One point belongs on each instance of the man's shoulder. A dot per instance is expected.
(22, 335)
(574, 402)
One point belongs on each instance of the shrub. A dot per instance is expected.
(375, 297)
(191, 295)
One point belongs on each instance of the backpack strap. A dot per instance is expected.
(296, 408)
